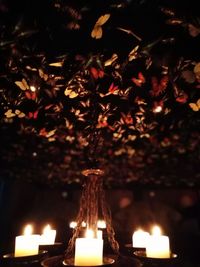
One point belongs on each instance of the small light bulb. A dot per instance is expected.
(83, 224)
(73, 225)
(157, 109)
(32, 88)
(101, 224)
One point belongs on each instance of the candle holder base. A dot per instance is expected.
(9, 260)
(58, 261)
(148, 261)
(128, 249)
(106, 262)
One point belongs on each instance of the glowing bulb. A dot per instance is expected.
(73, 225)
(157, 109)
(156, 230)
(101, 224)
(83, 224)
(32, 88)
(28, 230)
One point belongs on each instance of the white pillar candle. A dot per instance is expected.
(99, 234)
(89, 251)
(48, 237)
(158, 245)
(139, 239)
(27, 244)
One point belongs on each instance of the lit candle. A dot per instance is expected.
(48, 237)
(89, 250)
(158, 245)
(27, 244)
(139, 239)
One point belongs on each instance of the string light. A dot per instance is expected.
(32, 88)
(157, 109)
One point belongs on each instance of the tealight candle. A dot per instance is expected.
(158, 245)
(27, 244)
(89, 250)
(48, 237)
(139, 239)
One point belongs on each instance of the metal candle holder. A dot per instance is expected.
(151, 262)
(9, 260)
(59, 261)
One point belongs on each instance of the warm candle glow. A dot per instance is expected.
(27, 244)
(156, 230)
(158, 245)
(89, 233)
(28, 229)
(48, 236)
(139, 239)
(83, 224)
(32, 88)
(101, 224)
(73, 225)
(89, 250)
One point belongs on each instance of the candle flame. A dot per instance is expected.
(156, 230)
(28, 229)
(140, 231)
(89, 233)
(46, 229)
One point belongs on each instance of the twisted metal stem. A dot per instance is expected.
(92, 201)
